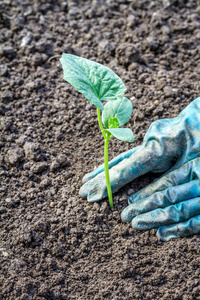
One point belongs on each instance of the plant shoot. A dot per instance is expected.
(99, 83)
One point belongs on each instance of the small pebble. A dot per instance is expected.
(168, 91)
(45, 182)
(156, 102)
(29, 149)
(39, 167)
(15, 156)
(8, 200)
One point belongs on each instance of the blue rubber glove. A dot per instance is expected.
(167, 145)
(171, 203)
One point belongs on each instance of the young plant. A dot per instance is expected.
(97, 82)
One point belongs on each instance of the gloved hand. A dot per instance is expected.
(171, 203)
(167, 145)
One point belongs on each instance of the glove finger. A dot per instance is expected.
(140, 162)
(171, 195)
(176, 177)
(190, 227)
(172, 214)
(111, 164)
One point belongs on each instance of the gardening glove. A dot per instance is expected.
(171, 203)
(167, 145)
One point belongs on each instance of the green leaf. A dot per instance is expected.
(120, 109)
(113, 123)
(95, 81)
(123, 134)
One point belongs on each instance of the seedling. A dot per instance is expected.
(98, 83)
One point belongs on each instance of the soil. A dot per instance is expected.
(54, 244)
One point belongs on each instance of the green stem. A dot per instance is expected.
(107, 170)
(106, 140)
(99, 120)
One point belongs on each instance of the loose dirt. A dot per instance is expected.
(55, 245)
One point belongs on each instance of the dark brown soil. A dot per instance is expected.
(55, 245)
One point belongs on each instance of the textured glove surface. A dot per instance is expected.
(171, 203)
